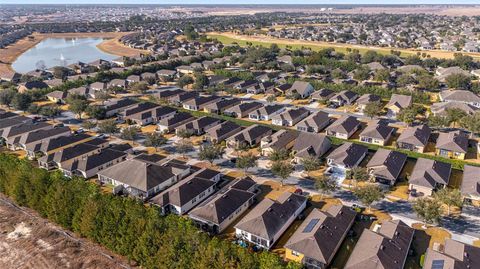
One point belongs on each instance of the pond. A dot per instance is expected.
(52, 52)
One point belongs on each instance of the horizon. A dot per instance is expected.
(244, 2)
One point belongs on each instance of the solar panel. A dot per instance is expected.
(437, 264)
(310, 225)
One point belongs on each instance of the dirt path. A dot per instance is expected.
(262, 39)
(29, 241)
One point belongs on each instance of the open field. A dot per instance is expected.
(111, 45)
(29, 241)
(427, 9)
(229, 38)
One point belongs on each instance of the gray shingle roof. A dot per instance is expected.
(417, 135)
(348, 154)
(452, 141)
(387, 164)
(428, 173)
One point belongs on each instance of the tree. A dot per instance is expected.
(50, 111)
(282, 169)
(108, 126)
(472, 123)
(325, 185)
(458, 81)
(139, 87)
(450, 197)
(408, 115)
(405, 79)
(210, 152)
(184, 81)
(279, 155)
(6, 96)
(96, 112)
(271, 98)
(201, 81)
(183, 133)
(21, 101)
(437, 121)
(247, 161)
(184, 146)
(454, 115)
(359, 174)
(77, 105)
(190, 32)
(428, 209)
(155, 140)
(368, 194)
(382, 75)
(311, 163)
(130, 133)
(89, 124)
(362, 73)
(428, 82)
(373, 109)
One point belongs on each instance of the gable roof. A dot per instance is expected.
(321, 233)
(459, 96)
(452, 141)
(377, 130)
(311, 144)
(368, 98)
(386, 249)
(455, 255)
(344, 125)
(348, 154)
(291, 114)
(417, 135)
(399, 100)
(252, 133)
(280, 139)
(315, 120)
(269, 216)
(471, 180)
(387, 164)
(95, 160)
(429, 172)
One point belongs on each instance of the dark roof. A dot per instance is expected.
(321, 233)
(223, 128)
(24, 128)
(62, 141)
(453, 141)
(42, 134)
(269, 216)
(348, 154)
(471, 180)
(344, 125)
(387, 249)
(387, 164)
(178, 117)
(96, 160)
(252, 133)
(243, 184)
(314, 120)
(141, 107)
(72, 152)
(417, 135)
(378, 131)
(311, 144)
(455, 255)
(428, 173)
(119, 103)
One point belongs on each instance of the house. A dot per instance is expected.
(301, 88)
(169, 124)
(132, 79)
(187, 193)
(310, 145)
(198, 126)
(314, 123)
(116, 106)
(242, 110)
(282, 139)
(290, 117)
(12, 134)
(64, 157)
(344, 98)
(89, 166)
(147, 113)
(30, 85)
(440, 109)
(98, 86)
(267, 221)
(185, 70)
(249, 137)
(319, 237)
(57, 97)
(118, 83)
(222, 131)
(182, 97)
(385, 248)
(344, 127)
(429, 176)
(386, 165)
(460, 96)
(223, 208)
(200, 102)
(220, 106)
(366, 99)
(346, 157)
(280, 89)
(453, 145)
(31, 139)
(397, 103)
(471, 184)
(443, 72)
(322, 95)
(142, 178)
(377, 133)
(49, 146)
(414, 138)
(82, 91)
(454, 255)
(149, 77)
(166, 74)
(266, 113)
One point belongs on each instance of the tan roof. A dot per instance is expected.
(400, 101)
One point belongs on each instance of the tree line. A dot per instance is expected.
(123, 225)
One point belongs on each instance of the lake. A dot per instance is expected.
(52, 52)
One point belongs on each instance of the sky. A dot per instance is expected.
(186, 2)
